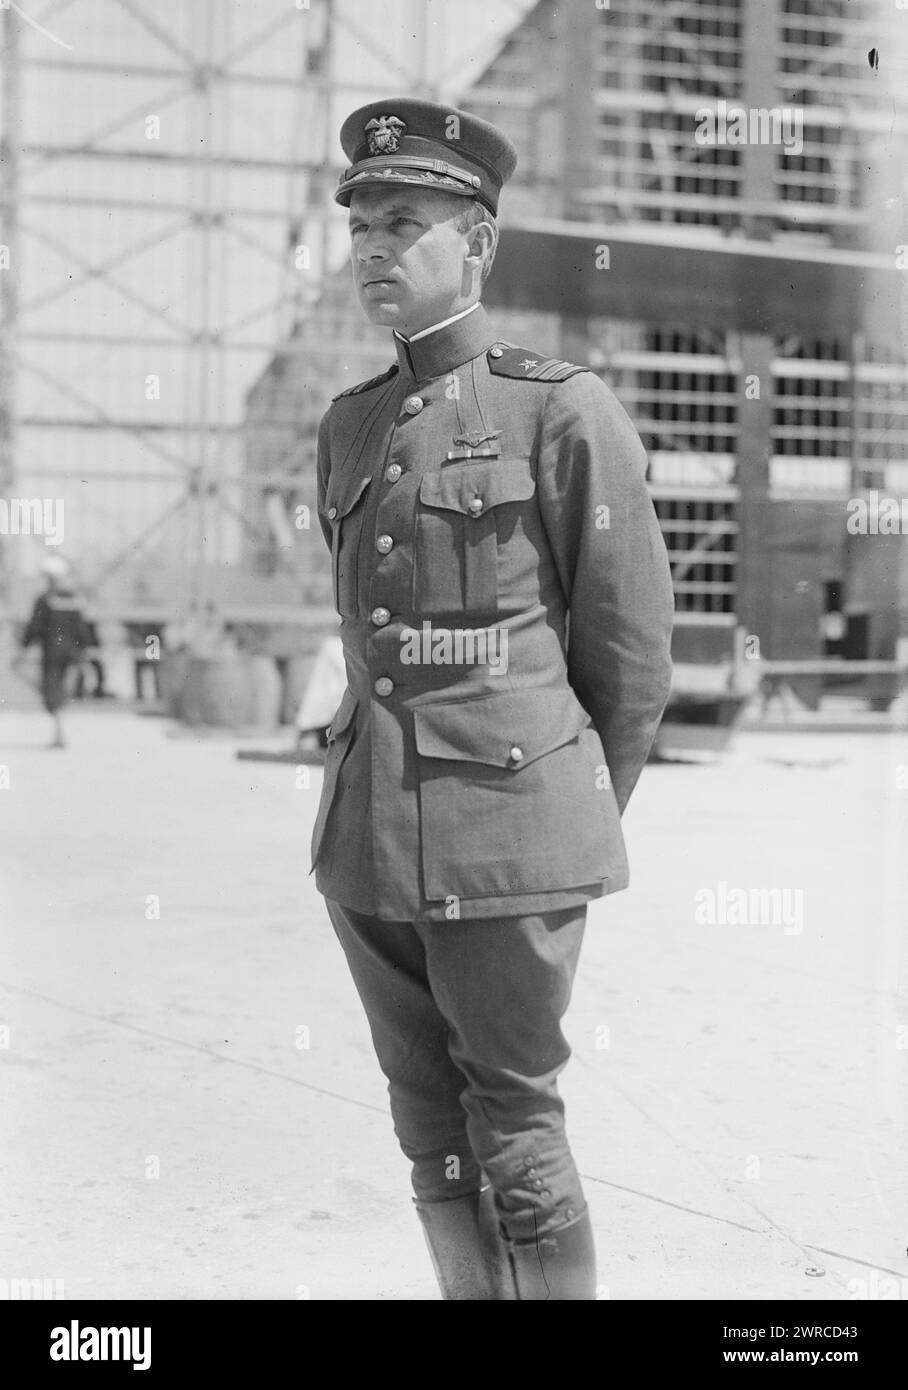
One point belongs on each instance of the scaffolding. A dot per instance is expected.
(167, 221)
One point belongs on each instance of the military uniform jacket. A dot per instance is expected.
(506, 609)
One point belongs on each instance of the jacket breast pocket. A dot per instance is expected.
(340, 738)
(467, 536)
(514, 796)
(344, 508)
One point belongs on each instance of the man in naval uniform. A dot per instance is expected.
(506, 610)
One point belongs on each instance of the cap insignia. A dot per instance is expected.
(384, 134)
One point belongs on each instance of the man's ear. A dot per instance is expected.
(480, 241)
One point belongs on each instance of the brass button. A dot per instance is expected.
(413, 405)
(475, 505)
(516, 754)
(497, 352)
(332, 513)
(383, 686)
(380, 617)
(384, 544)
(394, 472)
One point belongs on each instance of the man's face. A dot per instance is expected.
(409, 260)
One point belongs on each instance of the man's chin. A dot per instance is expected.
(384, 313)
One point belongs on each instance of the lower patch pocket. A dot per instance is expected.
(514, 796)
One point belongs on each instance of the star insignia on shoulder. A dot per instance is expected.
(505, 360)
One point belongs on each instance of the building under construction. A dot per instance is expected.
(709, 209)
(741, 288)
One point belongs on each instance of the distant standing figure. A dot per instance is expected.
(139, 634)
(93, 659)
(57, 623)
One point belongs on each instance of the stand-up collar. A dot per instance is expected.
(446, 348)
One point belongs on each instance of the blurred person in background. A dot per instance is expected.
(94, 658)
(139, 635)
(58, 625)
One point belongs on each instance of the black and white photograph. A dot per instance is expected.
(454, 663)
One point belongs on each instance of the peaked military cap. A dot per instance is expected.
(426, 145)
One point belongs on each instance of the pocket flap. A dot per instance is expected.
(345, 712)
(494, 728)
(343, 496)
(456, 487)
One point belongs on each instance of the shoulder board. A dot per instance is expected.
(506, 360)
(367, 385)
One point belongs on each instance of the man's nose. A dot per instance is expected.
(372, 246)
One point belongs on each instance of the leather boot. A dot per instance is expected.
(469, 1258)
(560, 1265)
(498, 1260)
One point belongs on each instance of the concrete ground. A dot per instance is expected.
(191, 1104)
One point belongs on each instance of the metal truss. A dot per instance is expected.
(177, 227)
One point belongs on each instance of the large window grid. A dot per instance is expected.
(839, 425)
(701, 536)
(823, 69)
(655, 68)
(682, 393)
(680, 388)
